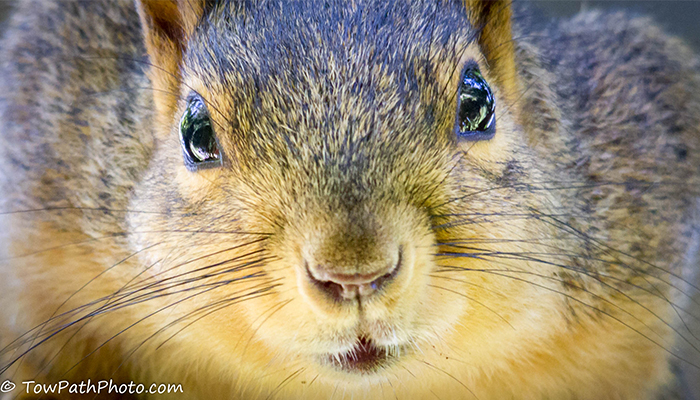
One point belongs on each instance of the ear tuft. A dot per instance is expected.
(167, 25)
(493, 20)
(161, 18)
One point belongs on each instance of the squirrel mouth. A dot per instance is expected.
(364, 358)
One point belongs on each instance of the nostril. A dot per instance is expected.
(343, 286)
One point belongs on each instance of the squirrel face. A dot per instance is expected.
(339, 197)
(348, 188)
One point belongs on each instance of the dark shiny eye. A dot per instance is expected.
(476, 117)
(197, 137)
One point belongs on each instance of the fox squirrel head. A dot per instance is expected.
(360, 166)
(342, 146)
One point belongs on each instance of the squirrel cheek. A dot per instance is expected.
(197, 185)
(501, 146)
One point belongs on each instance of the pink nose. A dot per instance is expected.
(350, 286)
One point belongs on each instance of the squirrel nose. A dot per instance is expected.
(347, 286)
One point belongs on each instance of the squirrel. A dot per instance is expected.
(376, 199)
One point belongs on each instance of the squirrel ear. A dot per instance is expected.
(492, 19)
(166, 25)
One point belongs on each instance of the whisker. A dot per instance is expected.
(216, 307)
(527, 256)
(597, 277)
(274, 309)
(475, 301)
(601, 244)
(451, 376)
(110, 299)
(284, 382)
(129, 302)
(141, 320)
(125, 234)
(579, 301)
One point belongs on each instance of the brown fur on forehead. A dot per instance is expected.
(346, 72)
(358, 88)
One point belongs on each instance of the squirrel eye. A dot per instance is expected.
(197, 138)
(475, 107)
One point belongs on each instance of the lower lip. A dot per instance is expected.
(363, 358)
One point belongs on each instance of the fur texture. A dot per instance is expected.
(552, 261)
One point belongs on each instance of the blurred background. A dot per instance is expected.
(681, 18)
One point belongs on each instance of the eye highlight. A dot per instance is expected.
(476, 117)
(199, 146)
